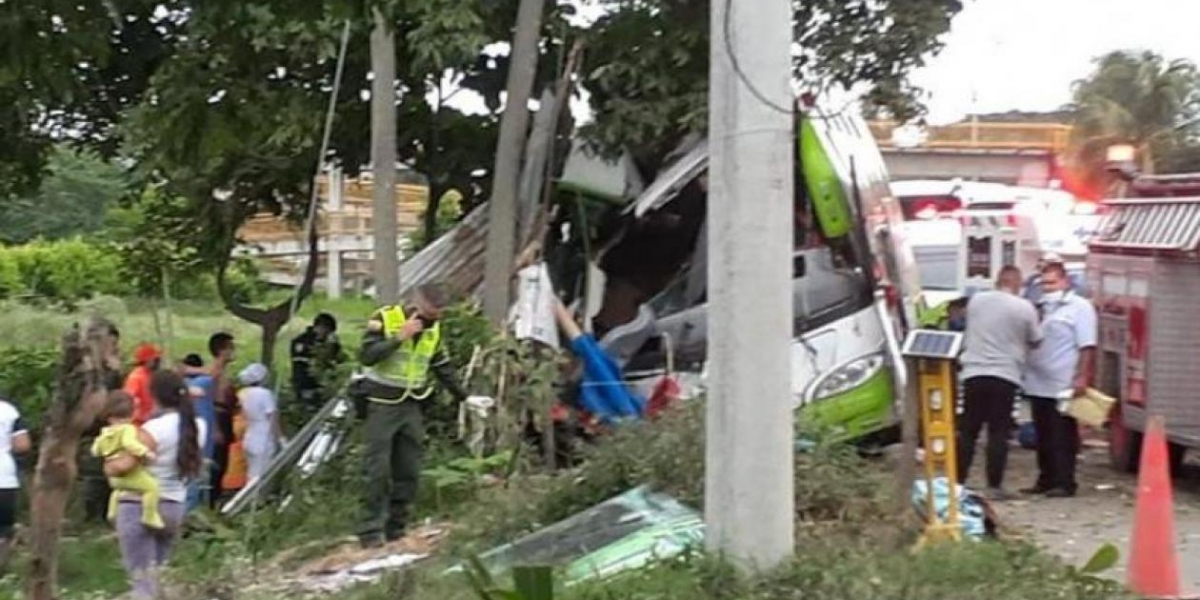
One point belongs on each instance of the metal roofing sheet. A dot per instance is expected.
(1151, 224)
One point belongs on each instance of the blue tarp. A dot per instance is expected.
(972, 511)
(603, 392)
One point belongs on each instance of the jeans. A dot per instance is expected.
(1057, 445)
(986, 401)
(145, 551)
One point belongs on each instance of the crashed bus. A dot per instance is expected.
(641, 281)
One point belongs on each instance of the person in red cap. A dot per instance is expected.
(148, 358)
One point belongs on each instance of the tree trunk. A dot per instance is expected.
(383, 157)
(274, 318)
(89, 362)
(502, 221)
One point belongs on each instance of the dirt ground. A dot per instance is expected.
(1101, 512)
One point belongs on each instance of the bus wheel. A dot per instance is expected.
(1124, 444)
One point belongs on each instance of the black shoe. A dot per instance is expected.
(1060, 493)
(393, 536)
(1036, 490)
(370, 542)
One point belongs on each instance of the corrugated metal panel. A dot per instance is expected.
(454, 260)
(1151, 224)
(1173, 364)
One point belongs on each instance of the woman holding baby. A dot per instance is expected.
(152, 464)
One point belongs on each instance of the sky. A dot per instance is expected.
(1024, 54)
(1003, 55)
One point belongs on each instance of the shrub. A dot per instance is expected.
(841, 568)
(61, 271)
(27, 380)
(834, 487)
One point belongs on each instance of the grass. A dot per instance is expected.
(192, 324)
(89, 567)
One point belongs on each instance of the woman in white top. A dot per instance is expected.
(175, 435)
(14, 438)
(261, 411)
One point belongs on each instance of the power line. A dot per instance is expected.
(727, 28)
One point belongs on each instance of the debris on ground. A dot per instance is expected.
(622, 533)
(348, 565)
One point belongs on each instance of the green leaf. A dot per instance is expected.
(1104, 559)
(534, 582)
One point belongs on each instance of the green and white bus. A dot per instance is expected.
(855, 281)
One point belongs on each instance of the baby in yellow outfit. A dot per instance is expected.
(121, 436)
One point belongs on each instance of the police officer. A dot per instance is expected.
(402, 349)
(314, 352)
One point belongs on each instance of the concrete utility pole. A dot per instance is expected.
(749, 449)
(383, 157)
(502, 208)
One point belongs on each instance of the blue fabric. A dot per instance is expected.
(603, 391)
(206, 409)
(972, 516)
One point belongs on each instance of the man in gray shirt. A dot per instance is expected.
(1001, 329)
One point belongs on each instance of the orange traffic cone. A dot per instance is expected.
(1153, 563)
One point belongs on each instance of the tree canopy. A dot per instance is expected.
(219, 105)
(1137, 98)
(648, 61)
(75, 195)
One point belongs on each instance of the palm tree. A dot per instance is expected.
(1140, 99)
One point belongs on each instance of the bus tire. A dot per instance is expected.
(1124, 444)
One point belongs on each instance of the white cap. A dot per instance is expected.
(253, 374)
(1052, 258)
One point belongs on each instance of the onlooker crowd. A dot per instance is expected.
(171, 440)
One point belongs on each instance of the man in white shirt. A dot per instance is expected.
(14, 438)
(1001, 329)
(1061, 365)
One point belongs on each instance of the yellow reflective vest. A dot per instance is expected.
(409, 367)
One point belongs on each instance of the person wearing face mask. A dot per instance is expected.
(1062, 364)
(403, 354)
(1001, 328)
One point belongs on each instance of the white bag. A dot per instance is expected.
(532, 317)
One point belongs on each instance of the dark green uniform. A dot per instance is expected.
(397, 378)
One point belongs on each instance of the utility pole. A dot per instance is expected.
(502, 208)
(749, 504)
(383, 158)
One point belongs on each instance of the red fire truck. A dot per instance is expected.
(1144, 269)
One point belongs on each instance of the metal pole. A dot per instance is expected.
(749, 450)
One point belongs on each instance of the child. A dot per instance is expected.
(121, 436)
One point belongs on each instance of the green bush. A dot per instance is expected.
(834, 487)
(835, 569)
(61, 271)
(27, 380)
